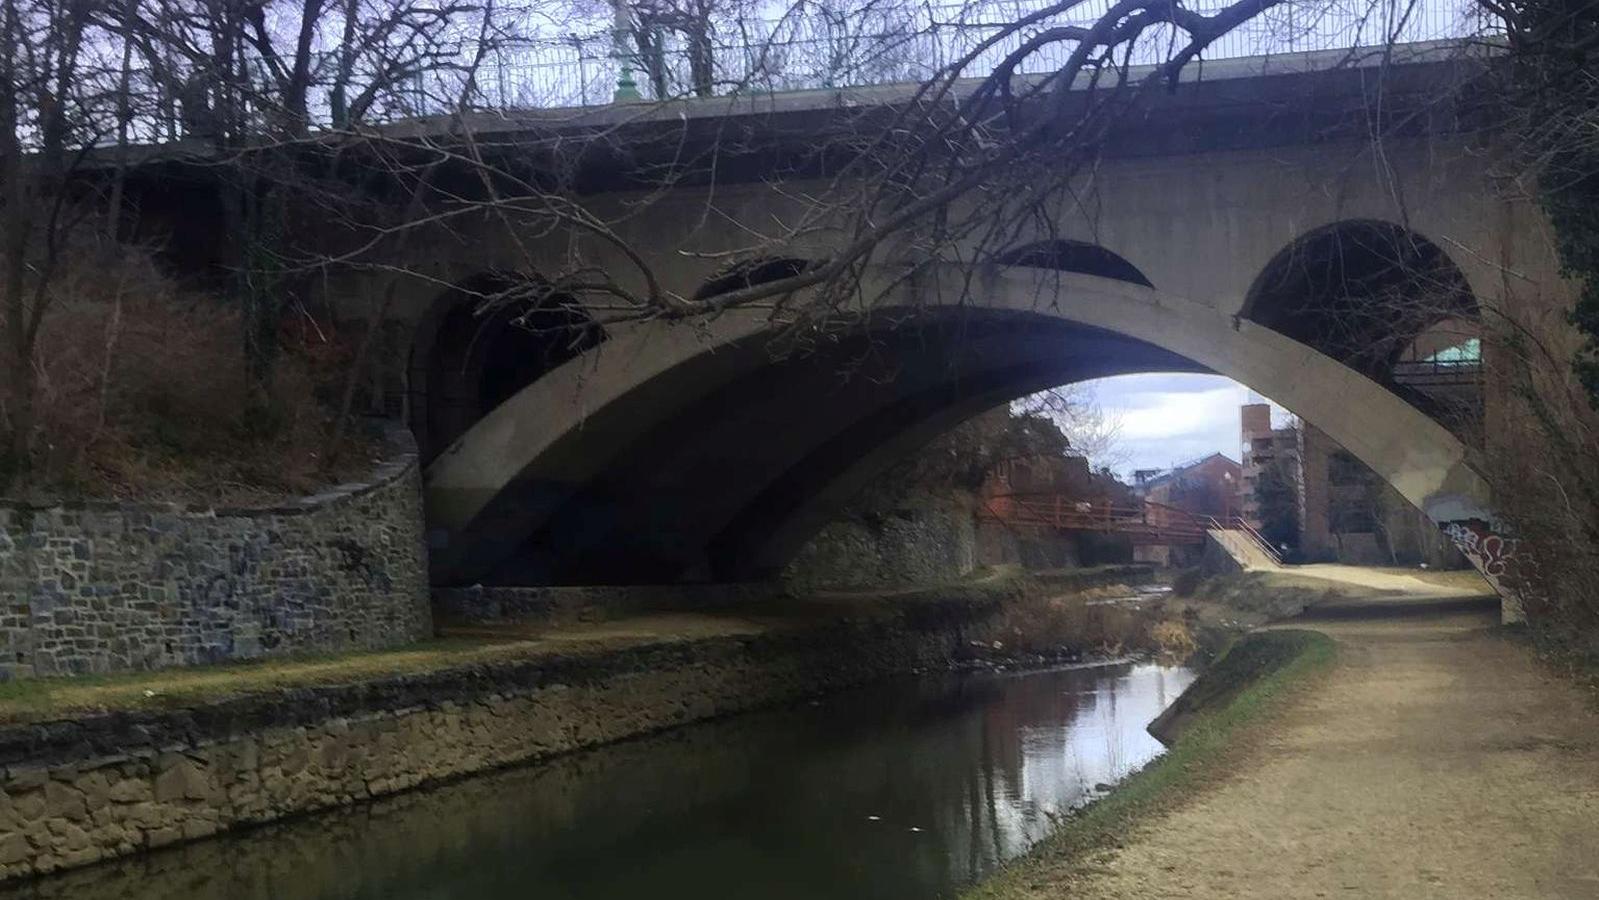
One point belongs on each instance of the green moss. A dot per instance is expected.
(935, 606)
(33, 699)
(1244, 684)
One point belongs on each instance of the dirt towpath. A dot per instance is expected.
(1435, 760)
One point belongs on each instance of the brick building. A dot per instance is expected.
(1204, 487)
(1341, 510)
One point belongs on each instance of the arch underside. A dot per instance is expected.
(1363, 291)
(721, 458)
(718, 490)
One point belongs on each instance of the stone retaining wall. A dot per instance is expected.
(564, 605)
(90, 789)
(922, 543)
(110, 587)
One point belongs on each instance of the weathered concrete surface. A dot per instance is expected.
(78, 791)
(687, 451)
(1437, 760)
(1230, 550)
(509, 474)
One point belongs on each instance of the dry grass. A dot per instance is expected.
(40, 698)
(1253, 598)
(144, 393)
(466, 646)
(1174, 638)
(55, 698)
(1106, 620)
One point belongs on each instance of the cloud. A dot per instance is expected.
(1166, 420)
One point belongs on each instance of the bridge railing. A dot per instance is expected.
(1239, 525)
(1152, 521)
(903, 42)
(808, 52)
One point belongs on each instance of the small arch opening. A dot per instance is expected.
(751, 272)
(1361, 292)
(1384, 301)
(496, 333)
(1074, 256)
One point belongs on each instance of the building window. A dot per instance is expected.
(1344, 470)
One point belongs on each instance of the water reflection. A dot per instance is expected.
(907, 789)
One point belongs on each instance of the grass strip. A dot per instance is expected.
(1244, 684)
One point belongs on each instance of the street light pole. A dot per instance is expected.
(626, 87)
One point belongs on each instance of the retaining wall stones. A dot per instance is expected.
(1032, 548)
(926, 543)
(564, 605)
(110, 587)
(77, 792)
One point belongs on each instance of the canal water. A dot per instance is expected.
(908, 789)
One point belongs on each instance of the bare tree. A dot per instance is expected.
(253, 84)
(1552, 105)
(1091, 430)
(51, 87)
(977, 153)
(255, 79)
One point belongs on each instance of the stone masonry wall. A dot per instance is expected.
(568, 604)
(106, 587)
(927, 543)
(80, 791)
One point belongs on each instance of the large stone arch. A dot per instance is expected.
(603, 449)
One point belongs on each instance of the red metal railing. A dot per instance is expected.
(1151, 523)
(1146, 523)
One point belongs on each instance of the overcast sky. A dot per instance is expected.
(1171, 419)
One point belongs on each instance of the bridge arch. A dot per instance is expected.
(1082, 257)
(481, 341)
(1385, 301)
(695, 452)
(751, 272)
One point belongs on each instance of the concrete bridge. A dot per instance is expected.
(1221, 232)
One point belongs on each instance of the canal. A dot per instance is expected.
(907, 789)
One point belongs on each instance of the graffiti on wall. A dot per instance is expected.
(1494, 554)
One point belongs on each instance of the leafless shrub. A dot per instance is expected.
(142, 387)
(1541, 467)
(1089, 621)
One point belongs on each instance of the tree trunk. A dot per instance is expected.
(14, 227)
(22, 380)
(701, 59)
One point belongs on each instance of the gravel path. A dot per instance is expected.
(1436, 760)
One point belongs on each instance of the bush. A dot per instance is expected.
(1074, 624)
(144, 393)
(1174, 639)
(1542, 466)
(1187, 582)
